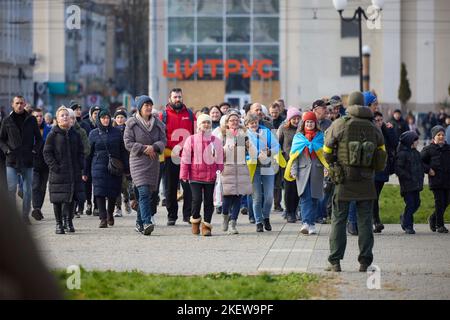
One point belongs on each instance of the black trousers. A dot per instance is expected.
(376, 208)
(63, 209)
(39, 187)
(88, 190)
(278, 189)
(101, 205)
(291, 197)
(202, 192)
(441, 201)
(172, 175)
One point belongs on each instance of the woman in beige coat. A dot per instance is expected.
(235, 176)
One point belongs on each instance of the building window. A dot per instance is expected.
(349, 29)
(349, 66)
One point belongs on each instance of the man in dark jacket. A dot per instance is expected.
(319, 107)
(399, 124)
(40, 169)
(20, 140)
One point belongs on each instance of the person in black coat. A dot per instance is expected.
(399, 124)
(64, 155)
(106, 141)
(410, 172)
(381, 177)
(436, 161)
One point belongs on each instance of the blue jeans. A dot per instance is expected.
(352, 217)
(323, 205)
(144, 205)
(12, 176)
(251, 215)
(231, 205)
(412, 202)
(309, 205)
(263, 186)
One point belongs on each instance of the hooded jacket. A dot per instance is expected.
(437, 157)
(408, 165)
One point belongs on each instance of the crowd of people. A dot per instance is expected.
(330, 162)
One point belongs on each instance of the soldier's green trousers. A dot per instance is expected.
(338, 235)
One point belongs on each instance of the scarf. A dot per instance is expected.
(147, 124)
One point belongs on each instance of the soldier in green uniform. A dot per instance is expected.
(354, 149)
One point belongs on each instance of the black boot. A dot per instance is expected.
(59, 223)
(70, 223)
(291, 218)
(267, 225)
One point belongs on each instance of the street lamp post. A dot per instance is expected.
(340, 6)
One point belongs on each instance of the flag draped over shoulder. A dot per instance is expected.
(299, 143)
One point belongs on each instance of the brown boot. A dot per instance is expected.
(103, 224)
(206, 229)
(195, 225)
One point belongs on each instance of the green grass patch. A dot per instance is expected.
(99, 285)
(392, 205)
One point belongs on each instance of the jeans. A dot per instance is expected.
(263, 186)
(352, 213)
(144, 204)
(39, 187)
(12, 176)
(309, 205)
(323, 203)
(251, 214)
(412, 204)
(231, 204)
(172, 177)
(205, 191)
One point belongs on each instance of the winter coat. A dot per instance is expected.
(201, 157)
(400, 126)
(144, 171)
(390, 142)
(235, 175)
(285, 137)
(20, 144)
(175, 122)
(437, 158)
(63, 153)
(38, 161)
(104, 140)
(324, 124)
(84, 138)
(409, 169)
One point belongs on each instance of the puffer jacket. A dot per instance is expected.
(409, 169)
(437, 158)
(202, 156)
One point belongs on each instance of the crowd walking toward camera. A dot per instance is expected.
(325, 164)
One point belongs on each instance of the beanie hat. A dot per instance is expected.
(407, 138)
(309, 115)
(250, 117)
(141, 100)
(369, 98)
(356, 98)
(291, 113)
(435, 130)
(104, 112)
(74, 105)
(93, 109)
(201, 118)
(120, 112)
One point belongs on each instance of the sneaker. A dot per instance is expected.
(139, 228)
(36, 214)
(95, 213)
(219, 210)
(187, 220)
(442, 229)
(431, 224)
(352, 228)
(89, 209)
(291, 218)
(77, 214)
(267, 225)
(278, 209)
(225, 222)
(244, 211)
(409, 231)
(336, 267)
(259, 227)
(171, 222)
(252, 220)
(363, 267)
(127, 207)
(378, 228)
(312, 230)
(118, 213)
(233, 229)
(148, 229)
(304, 229)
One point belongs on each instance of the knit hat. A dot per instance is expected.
(141, 100)
(74, 105)
(104, 112)
(369, 98)
(436, 129)
(120, 112)
(250, 117)
(201, 118)
(335, 101)
(309, 115)
(356, 98)
(407, 138)
(292, 112)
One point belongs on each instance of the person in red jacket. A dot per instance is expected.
(179, 121)
(201, 158)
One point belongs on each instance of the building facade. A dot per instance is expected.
(16, 50)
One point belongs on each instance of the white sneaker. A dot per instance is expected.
(127, 207)
(118, 213)
(312, 230)
(305, 228)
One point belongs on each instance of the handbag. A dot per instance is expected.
(218, 190)
(115, 166)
